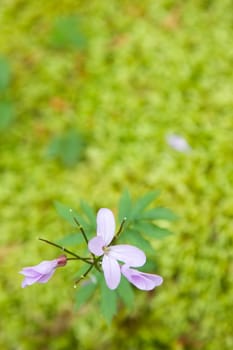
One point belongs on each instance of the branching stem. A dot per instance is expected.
(87, 260)
(81, 229)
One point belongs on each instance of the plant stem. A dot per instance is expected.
(121, 226)
(83, 233)
(120, 230)
(81, 229)
(84, 275)
(87, 260)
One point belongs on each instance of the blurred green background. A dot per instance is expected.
(89, 90)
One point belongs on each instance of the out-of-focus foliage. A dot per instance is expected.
(66, 34)
(6, 106)
(4, 74)
(6, 113)
(68, 148)
(148, 69)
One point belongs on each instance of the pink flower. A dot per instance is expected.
(42, 272)
(99, 246)
(141, 280)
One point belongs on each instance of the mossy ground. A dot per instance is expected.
(147, 69)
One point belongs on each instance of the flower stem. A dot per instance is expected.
(84, 275)
(120, 229)
(87, 260)
(81, 229)
(121, 226)
(83, 233)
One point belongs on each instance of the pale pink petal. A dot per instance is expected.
(30, 272)
(45, 266)
(141, 280)
(42, 272)
(112, 272)
(130, 255)
(106, 225)
(30, 280)
(45, 278)
(95, 245)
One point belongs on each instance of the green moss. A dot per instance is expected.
(147, 69)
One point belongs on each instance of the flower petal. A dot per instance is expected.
(141, 280)
(29, 272)
(95, 245)
(45, 278)
(42, 272)
(105, 225)
(129, 254)
(44, 267)
(28, 280)
(112, 272)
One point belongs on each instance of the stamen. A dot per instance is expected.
(106, 250)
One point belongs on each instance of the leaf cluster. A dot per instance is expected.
(138, 230)
(141, 224)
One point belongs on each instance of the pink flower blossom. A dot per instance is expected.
(141, 280)
(42, 272)
(99, 246)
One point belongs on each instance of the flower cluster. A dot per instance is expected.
(105, 255)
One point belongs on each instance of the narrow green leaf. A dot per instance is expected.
(71, 239)
(142, 203)
(125, 292)
(152, 230)
(6, 114)
(124, 206)
(67, 34)
(72, 148)
(89, 212)
(5, 73)
(108, 302)
(132, 236)
(158, 213)
(161, 232)
(68, 147)
(84, 293)
(82, 269)
(66, 212)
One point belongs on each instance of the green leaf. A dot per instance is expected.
(67, 34)
(6, 115)
(68, 148)
(108, 301)
(89, 212)
(142, 203)
(124, 206)
(66, 212)
(125, 292)
(5, 73)
(84, 293)
(158, 213)
(152, 230)
(132, 236)
(161, 232)
(80, 272)
(71, 239)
